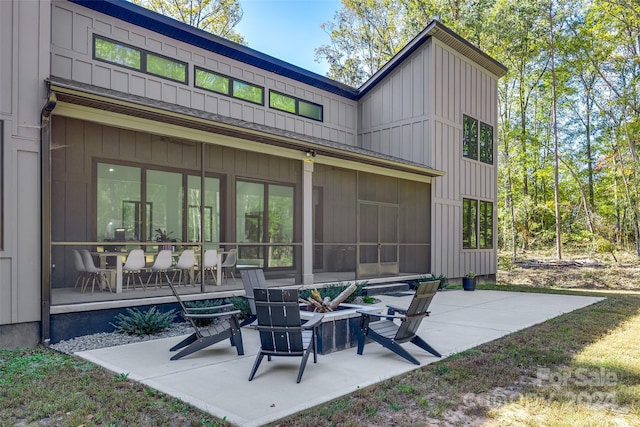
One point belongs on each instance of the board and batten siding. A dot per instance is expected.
(71, 58)
(460, 87)
(394, 116)
(24, 65)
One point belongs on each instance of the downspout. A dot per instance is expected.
(45, 216)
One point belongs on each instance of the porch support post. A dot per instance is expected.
(307, 221)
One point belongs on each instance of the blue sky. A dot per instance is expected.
(288, 29)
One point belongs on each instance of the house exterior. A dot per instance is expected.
(123, 129)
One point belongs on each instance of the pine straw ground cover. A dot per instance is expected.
(580, 369)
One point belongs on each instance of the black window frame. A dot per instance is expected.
(485, 147)
(477, 224)
(230, 90)
(297, 104)
(475, 145)
(143, 60)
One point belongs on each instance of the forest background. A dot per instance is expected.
(569, 113)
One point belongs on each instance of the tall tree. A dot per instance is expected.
(218, 17)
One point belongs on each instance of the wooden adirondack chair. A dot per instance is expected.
(281, 330)
(225, 325)
(252, 279)
(390, 334)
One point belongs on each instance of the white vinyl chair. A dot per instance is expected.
(93, 273)
(209, 264)
(185, 265)
(133, 267)
(229, 263)
(79, 266)
(160, 266)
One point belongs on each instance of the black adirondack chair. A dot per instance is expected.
(252, 279)
(390, 334)
(281, 330)
(225, 324)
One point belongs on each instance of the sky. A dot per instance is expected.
(288, 29)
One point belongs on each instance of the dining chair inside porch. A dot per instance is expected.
(133, 267)
(94, 274)
(209, 264)
(160, 266)
(185, 265)
(79, 266)
(229, 264)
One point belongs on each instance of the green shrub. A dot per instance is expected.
(143, 323)
(203, 304)
(241, 303)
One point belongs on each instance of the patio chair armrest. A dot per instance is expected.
(211, 315)
(380, 315)
(314, 321)
(395, 309)
(213, 307)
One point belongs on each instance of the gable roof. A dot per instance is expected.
(177, 30)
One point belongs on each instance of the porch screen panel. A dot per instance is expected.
(388, 233)
(280, 218)
(369, 236)
(164, 204)
(211, 232)
(119, 209)
(250, 221)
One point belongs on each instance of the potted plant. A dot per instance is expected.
(469, 281)
(163, 236)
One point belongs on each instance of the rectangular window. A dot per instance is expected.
(117, 53)
(212, 81)
(312, 111)
(469, 224)
(289, 104)
(282, 102)
(477, 224)
(486, 225)
(167, 68)
(470, 137)
(486, 143)
(229, 86)
(138, 59)
(248, 92)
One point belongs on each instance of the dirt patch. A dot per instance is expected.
(575, 271)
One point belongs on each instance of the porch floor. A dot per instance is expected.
(216, 379)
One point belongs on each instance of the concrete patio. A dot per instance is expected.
(215, 379)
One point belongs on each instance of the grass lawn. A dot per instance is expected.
(579, 369)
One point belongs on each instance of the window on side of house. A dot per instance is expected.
(486, 143)
(486, 225)
(138, 59)
(477, 140)
(469, 224)
(290, 104)
(117, 53)
(477, 224)
(248, 92)
(162, 66)
(470, 138)
(212, 81)
(229, 86)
